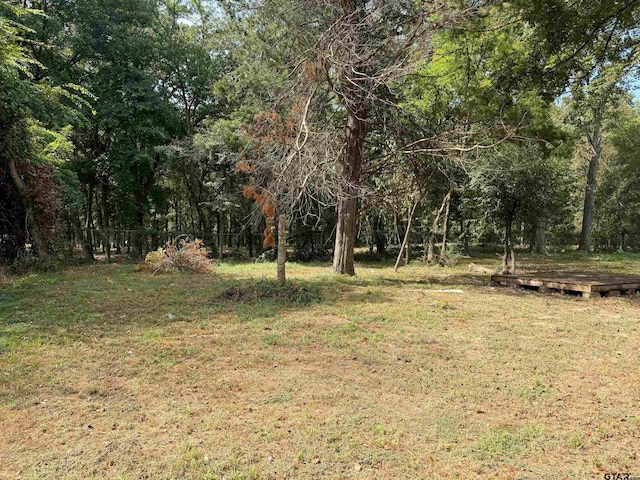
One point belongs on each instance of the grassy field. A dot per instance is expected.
(106, 372)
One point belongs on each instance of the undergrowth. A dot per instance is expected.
(269, 290)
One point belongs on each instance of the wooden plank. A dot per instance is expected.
(616, 286)
(534, 282)
(576, 277)
(597, 283)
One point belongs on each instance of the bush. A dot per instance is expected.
(185, 257)
(267, 256)
(452, 255)
(30, 263)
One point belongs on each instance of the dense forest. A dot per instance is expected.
(418, 128)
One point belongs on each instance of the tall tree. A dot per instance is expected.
(28, 147)
(592, 109)
(112, 48)
(350, 53)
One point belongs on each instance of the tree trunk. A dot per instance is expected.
(405, 248)
(156, 232)
(509, 257)
(379, 235)
(464, 227)
(445, 234)
(138, 234)
(89, 220)
(176, 222)
(282, 248)
(220, 236)
(118, 240)
(396, 228)
(100, 232)
(70, 235)
(249, 240)
(431, 246)
(405, 242)
(104, 219)
(145, 180)
(32, 226)
(355, 130)
(87, 251)
(539, 243)
(430, 254)
(343, 253)
(590, 189)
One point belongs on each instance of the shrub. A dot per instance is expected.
(267, 256)
(30, 263)
(451, 256)
(185, 257)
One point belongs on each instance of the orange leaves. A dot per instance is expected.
(260, 198)
(248, 191)
(244, 167)
(266, 117)
(271, 136)
(311, 72)
(269, 129)
(268, 210)
(269, 240)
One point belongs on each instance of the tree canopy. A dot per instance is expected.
(127, 124)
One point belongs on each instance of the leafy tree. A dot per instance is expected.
(111, 48)
(618, 198)
(518, 183)
(30, 151)
(591, 49)
(592, 109)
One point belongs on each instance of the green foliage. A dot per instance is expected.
(618, 197)
(520, 182)
(14, 55)
(24, 264)
(137, 113)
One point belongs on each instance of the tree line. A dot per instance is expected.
(425, 126)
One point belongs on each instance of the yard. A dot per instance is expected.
(106, 372)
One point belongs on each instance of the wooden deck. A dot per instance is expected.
(586, 284)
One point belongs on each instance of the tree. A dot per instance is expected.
(591, 49)
(618, 197)
(111, 48)
(290, 170)
(20, 95)
(592, 108)
(522, 183)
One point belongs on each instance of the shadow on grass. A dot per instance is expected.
(95, 301)
(429, 281)
(89, 301)
(113, 300)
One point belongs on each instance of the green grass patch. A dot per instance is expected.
(504, 445)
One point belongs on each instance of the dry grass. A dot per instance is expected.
(109, 373)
